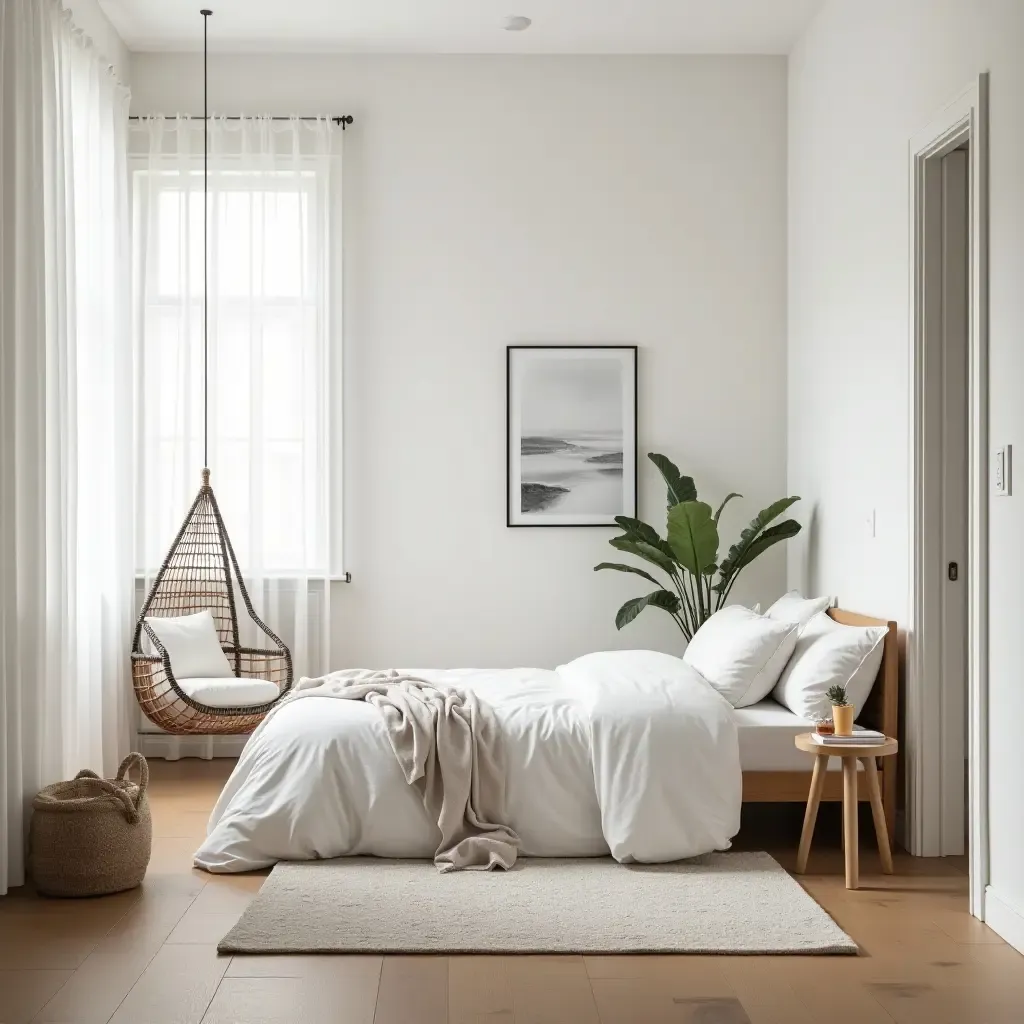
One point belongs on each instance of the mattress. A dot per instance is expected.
(766, 732)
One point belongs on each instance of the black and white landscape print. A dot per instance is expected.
(572, 435)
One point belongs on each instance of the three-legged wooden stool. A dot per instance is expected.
(851, 755)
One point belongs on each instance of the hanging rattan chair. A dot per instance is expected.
(201, 572)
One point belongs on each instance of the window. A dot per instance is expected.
(274, 412)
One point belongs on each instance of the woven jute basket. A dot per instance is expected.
(92, 836)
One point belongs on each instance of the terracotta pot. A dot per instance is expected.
(842, 718)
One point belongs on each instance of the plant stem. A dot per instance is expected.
(682, 626)
(686, 601)
(696, 601)
(732, 580)
(699, 587)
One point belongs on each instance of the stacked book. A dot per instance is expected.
(860, 738)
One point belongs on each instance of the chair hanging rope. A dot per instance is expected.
(206, 249)
(200, 573)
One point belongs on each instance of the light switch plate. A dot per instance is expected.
(1001, 470)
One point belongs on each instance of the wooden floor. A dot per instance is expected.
(149, 956)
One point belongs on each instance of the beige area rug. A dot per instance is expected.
(719, 903)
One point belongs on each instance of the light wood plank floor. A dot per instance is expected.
(149, 956)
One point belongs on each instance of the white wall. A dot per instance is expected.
(89, 17)
(494, 200)
(866, 77)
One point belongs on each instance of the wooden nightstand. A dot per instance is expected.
(851, 755)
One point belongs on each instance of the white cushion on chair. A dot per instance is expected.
(192, 645)
(229, 693)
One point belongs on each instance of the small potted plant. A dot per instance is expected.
(842, 710)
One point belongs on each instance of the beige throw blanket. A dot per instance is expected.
(446, 742)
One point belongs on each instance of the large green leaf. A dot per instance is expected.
(628, 568)
(693, 535)
(737, 557)
(658, 599)
(782, 531)
(680, 488)
(727, 499)
(646, 551)
(637, 529)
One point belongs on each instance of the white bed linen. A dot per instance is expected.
(318, 778)
(766, 731)
(665, 755)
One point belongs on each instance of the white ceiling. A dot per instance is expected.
(465, 26)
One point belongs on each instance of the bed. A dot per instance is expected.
(629, 752)
(774, 771)
(592, 757)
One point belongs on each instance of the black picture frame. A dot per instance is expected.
(515, 515)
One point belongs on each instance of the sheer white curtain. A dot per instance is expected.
(274, 409)
(66, 587)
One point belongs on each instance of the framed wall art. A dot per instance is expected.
(571, 434)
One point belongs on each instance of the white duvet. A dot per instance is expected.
(628, 752)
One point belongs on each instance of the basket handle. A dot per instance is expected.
(135, 760)
(131, 810)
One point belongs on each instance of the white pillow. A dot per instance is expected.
(741, 653)
(794, 607)
(192, 645)
(828, 654)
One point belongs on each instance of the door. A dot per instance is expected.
(954, 484)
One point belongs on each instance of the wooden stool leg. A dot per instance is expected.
(878, 813)
(811, 813)
(850, 821)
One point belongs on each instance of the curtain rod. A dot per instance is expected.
(342, 119)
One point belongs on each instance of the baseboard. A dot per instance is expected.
(173, 748)
(1004, 919)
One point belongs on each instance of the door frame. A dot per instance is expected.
(932, 722)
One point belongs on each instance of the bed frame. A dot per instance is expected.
(880, 712)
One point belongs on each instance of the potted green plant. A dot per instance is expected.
(699, 584)
(842, 710)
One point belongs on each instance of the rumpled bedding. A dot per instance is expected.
(630, 753)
